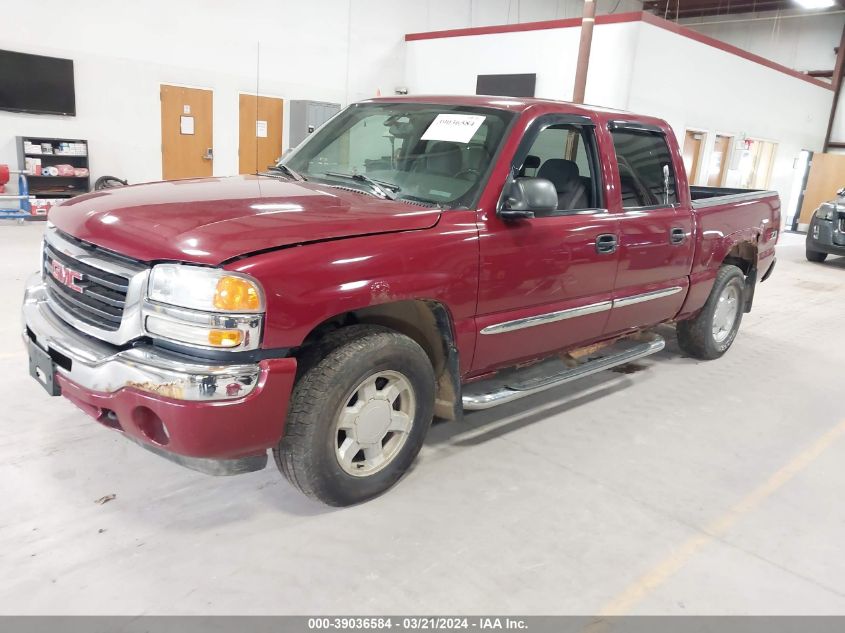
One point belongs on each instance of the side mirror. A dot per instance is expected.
(525, 196)
(841, 193)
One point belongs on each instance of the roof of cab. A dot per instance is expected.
(500, 103)
(516, 104)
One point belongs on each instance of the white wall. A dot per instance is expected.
(453, 14)
(838, 131)
(431, 66)
(797, 39)
(703, 88)
(643, 68)
(123, 51)
(327, 50)
(451, 65)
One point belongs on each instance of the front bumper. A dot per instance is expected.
(217, 418)
(825, 236)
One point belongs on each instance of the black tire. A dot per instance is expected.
(307, 455)
(108, 182)
(696, 336)
(815, 256)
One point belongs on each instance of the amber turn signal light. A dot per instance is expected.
(235, 294)
(225, 338)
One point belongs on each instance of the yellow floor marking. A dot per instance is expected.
(658, 574)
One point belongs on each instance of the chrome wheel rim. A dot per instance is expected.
(725, 315)
(374, 422)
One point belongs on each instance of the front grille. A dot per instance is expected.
(102, 296)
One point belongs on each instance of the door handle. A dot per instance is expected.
(677, 235)
(209, 154)
(606, 243)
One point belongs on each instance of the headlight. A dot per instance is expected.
(826, 212)
(203, 307)
(204, 289)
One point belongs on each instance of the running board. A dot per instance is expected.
(512, 384)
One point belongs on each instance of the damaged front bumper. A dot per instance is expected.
(216, 418)
(101, 367)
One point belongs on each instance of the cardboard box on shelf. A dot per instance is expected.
(33, 166)
(43, 206)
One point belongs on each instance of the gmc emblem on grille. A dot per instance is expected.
(66, 276)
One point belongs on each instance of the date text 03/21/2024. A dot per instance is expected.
(417, 623)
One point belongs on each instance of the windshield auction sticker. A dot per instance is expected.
(458, 128)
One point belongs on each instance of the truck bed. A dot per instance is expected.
(711, 196)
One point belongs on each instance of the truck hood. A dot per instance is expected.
(211, 220)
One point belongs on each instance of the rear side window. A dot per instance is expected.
(646, 175)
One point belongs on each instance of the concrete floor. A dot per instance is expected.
(687, 487)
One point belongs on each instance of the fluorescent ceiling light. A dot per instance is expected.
(816, 4)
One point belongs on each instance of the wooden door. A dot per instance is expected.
(186, 136)
(827, 176)
(718, 161)
(692, 153)
(260, 133)
(763, 165)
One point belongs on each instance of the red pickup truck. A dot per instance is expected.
(414, 258)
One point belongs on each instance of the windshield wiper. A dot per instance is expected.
(385, 190)
(288, 172)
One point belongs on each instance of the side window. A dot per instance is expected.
(563, 154)
(643, 158)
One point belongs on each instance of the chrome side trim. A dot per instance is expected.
(100, 367)
(571, 313)
(646, 296)
(543, 319)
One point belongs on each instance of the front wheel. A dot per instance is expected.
(711, 333)
(358, 415)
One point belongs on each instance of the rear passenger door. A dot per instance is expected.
(655, 229)
(546, 282)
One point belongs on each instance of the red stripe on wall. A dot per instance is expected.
(501, 28)
(637, 16)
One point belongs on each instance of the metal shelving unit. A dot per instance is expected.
(43, 187)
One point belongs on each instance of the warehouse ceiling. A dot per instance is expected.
(674, 9)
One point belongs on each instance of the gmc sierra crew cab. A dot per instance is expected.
(414, 258)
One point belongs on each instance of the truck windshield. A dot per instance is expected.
(427, 153)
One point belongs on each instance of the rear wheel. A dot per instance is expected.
(358, 415)
(815, 256)
(711, 333)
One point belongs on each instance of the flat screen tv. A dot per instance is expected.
(36, 84)
(506, 85)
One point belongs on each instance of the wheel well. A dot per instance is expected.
(426, 322)
(743, 255)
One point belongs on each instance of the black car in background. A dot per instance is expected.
(827, 230)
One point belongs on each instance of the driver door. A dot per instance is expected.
(546, 283)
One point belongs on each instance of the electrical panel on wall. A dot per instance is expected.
(307, 116)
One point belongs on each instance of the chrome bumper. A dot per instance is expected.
(100, 367)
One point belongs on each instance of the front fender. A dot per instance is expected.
(308, 285)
